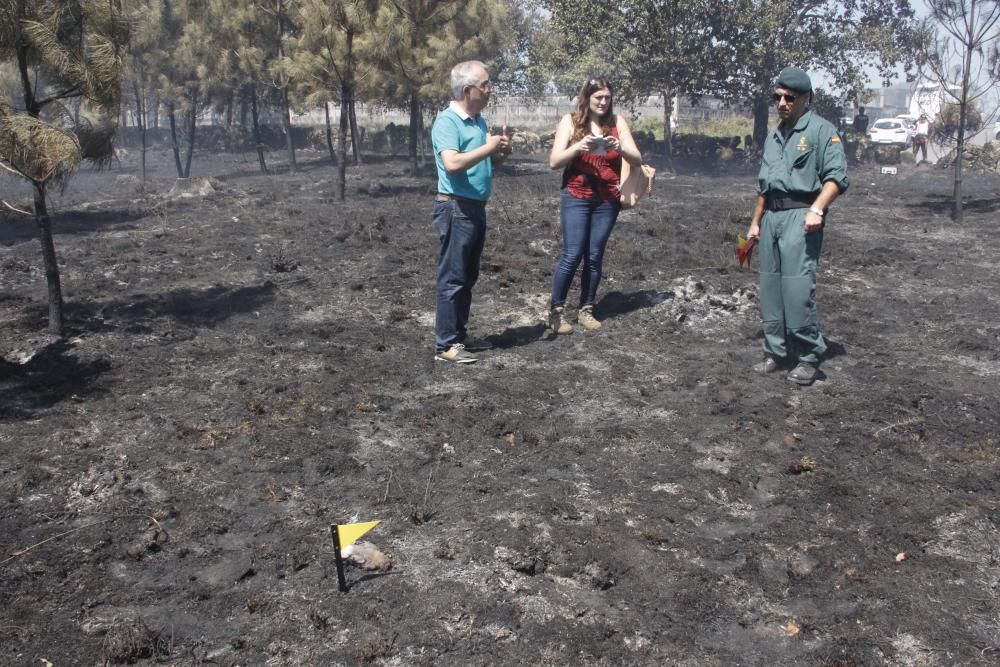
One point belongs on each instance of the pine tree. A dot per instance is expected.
(65, 52)
(326, 62)
(147, 46)
(422, 40)
(252, 36)
(960, 51)
(183, 69)
(282, 26)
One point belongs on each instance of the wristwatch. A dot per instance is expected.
(818, 211)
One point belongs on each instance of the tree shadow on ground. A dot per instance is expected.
(50, 376)
(193, 307)
(942, 205)
(614, 304)
(324, 163)
(517, 336)
(23, 228)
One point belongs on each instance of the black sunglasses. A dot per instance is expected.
(788, 98)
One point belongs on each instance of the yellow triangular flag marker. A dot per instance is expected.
(344, 536)
(350, 532)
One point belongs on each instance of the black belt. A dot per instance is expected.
(786, 202)
(441, 196)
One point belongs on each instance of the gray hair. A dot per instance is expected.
(464, 74)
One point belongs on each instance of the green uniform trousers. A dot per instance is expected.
(788, 258)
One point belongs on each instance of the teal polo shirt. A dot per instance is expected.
(458, 131)
(812, 154)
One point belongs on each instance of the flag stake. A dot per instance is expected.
(341, 579)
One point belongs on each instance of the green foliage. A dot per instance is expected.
(827, 106)
(515, 71)
(65, 52)
(421, 40)
(332, 48)
(844, 39)
(642, 47)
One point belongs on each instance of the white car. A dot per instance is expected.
(890, 131)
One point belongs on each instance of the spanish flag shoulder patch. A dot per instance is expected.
(835, 139)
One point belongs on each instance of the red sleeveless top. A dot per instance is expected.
(588, 171)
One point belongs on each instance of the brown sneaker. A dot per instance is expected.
(586, 319)
(557, 323)
(457, 355)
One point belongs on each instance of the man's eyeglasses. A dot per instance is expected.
(484, 86)
(788, 98)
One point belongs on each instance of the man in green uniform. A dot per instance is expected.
(802, 171)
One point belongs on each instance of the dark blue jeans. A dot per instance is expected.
(586, 225)
(461, 227)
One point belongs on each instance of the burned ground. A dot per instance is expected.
(245, 368)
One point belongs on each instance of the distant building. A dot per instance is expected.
(929, 98)
(887, 102)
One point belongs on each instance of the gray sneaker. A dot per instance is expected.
(804, 374)
(457, 355)
(768, 365)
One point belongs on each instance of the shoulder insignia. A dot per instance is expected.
(835, 139)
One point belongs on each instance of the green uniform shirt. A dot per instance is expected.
(812, 154)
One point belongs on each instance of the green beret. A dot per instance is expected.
(795, 79)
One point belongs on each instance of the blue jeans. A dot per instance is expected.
(586, 226)
(461, 227)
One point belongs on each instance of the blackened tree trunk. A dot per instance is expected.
(668, 139)
(174, 143)
(286, 108)
(256, 127)
(329, 134)
(355, 134)
(342, 146)
(49, 261)
(140, 117)
(286, 122)
(761, 116)
(348, 101)
(414, 131)
(155, 115)
(957, 214)
(244, 108)
(192, 125)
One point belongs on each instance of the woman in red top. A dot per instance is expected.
(589, 145)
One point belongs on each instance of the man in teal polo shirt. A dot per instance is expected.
(803, 169)
(465, 153)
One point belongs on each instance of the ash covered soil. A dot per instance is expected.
(245, 368)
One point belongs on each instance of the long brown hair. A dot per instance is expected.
(581, 116)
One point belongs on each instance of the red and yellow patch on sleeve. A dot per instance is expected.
(835, 139)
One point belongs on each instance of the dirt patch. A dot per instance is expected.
(250, 364)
